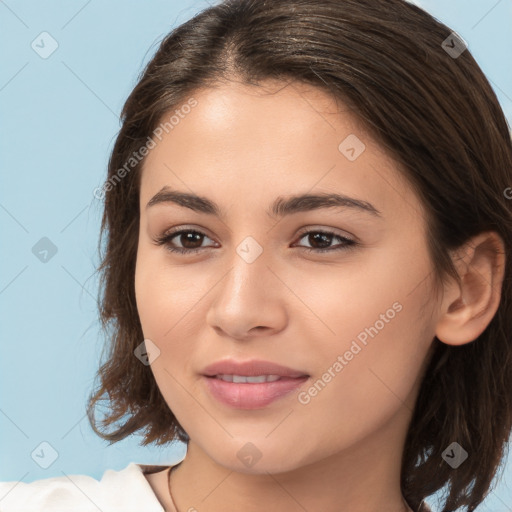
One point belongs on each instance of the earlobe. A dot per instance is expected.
(468, 307)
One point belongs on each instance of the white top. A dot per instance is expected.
(126, 490)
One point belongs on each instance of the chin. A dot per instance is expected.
(258, 455)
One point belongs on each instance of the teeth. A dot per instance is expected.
(257, 379)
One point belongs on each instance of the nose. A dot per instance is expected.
(249, 301)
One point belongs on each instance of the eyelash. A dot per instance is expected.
(166, 238)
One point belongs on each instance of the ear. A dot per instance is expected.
(468, 308)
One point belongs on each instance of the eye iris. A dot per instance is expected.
(324, 239)
(191, 237)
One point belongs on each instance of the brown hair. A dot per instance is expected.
(437, 116)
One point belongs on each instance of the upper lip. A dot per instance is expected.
(250, 368)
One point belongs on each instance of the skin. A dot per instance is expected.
(243, 146)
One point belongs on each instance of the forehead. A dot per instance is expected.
(272, 112)
(258, 142)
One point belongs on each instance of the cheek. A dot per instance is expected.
(353, 301)
(165, 301)
(171, 302)
(163, 294)
(371, 344)
(375, 362)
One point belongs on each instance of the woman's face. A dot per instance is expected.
(357, 319)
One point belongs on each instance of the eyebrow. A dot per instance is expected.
(280, 207)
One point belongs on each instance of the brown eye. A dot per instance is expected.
(321, 241)
(190, 241)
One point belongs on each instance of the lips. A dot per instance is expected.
(251, 384)
(253, 368)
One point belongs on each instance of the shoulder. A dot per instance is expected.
(124, 490)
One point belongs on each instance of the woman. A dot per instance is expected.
(307, 274)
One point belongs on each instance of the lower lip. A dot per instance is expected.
(251, 396)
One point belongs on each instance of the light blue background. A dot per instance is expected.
(59, 120)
